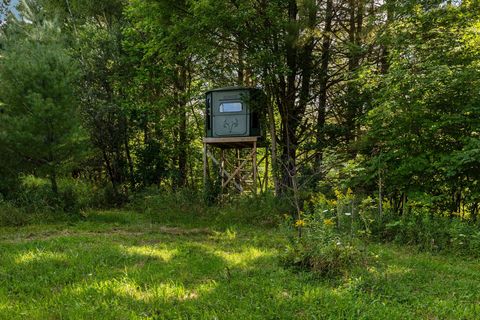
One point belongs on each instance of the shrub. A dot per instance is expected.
(34, 201)
(321, 249)
(36, 195)
(12, 216)
(433, 233)
(419, 225)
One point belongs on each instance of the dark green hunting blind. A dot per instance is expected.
(234, 112)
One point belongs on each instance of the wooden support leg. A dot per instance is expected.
(265, 179)
(225, 173)
(238, 178)
(239, 168)
(222, 167)
(255, 167)
(205, 164)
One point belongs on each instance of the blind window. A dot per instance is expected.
(231, 107)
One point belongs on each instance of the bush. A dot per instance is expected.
(35, 195)
(419, 225)
(432, 233)
(74, 195)
(34, 201)
(319, 248)
(12, 216)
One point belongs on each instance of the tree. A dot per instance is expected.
(161, 41)
(426, 120)
(39, 121)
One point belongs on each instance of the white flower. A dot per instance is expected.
(348, 214)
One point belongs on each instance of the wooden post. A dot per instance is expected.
(222, 167)
(238, 164)
(238, 154)
(254, 155)
(265, 179)
(205, 164)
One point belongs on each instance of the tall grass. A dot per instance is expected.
(35, 202)
(420, 226)
(189, 207)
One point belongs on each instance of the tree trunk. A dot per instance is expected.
(241, 66)
(356, 8)
(129, 157)
(53, 180)
(384, 63)
(182, 127)
(273, 137)
(110, 172)
(322, 97)
(287, 107)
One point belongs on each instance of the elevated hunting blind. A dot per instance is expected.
(233, 132)
(233, 112)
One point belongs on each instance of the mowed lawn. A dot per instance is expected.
(132, 269)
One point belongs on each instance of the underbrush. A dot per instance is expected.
(35, 202)
(431, 233)
(416, 225)
(318, 247)
(189, 207)
(332, 233)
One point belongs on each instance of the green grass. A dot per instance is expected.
(119, 265)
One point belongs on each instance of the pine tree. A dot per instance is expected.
(38, 122)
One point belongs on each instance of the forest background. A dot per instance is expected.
(372, 106)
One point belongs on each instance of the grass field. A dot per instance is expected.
(118, 265)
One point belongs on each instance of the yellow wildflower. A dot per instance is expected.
(328, 222)
(332, 203)
(349, 192)
(338, 194)
(300, 223)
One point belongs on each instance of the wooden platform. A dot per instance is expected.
(237, 167)
(233, 142)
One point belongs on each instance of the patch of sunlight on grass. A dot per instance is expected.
(396, 270)
(163, 254)
(175, 291)
(229, 234)
(122, 287)
(313, 294)
(128, 288)
(3, 306)
(39, 255)
(243, 258)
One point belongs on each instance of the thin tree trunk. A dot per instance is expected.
(384, 63)
(182, 131)
(324, 67)
(110, 171)
(273, 137)
(241, 66)
(53, 181)
(354, 35)
(289, 118)
(129, 157)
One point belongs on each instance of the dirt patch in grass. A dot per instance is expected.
(34, 236)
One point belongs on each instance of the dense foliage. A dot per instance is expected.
(377, 96)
